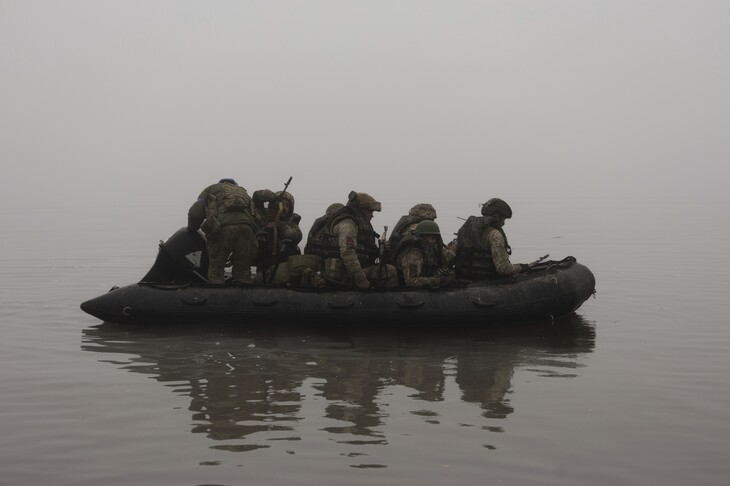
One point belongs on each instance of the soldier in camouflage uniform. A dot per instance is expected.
(280, 232)
(482, 250)
(423, 259)
(407, 223)
(224, 212)
(318, 227)
(349, 247)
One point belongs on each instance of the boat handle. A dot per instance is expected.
(265, 303)
(479, 303)
(194, 300)
(340, 305)
(410, 305)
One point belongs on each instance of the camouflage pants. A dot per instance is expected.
(238, 242)
(385, 279)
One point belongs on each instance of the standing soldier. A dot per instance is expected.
(349, 247)
(482, 250)
(224, 212)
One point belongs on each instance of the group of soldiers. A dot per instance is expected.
(262, 230)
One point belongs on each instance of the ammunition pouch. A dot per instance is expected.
(303, 270)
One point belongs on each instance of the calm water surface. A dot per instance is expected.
(632, 389)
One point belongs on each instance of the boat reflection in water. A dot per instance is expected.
(250, 389)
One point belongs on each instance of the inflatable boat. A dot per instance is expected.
(174, 292)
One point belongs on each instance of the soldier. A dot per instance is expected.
(348, 246)
(482, 250)
(407, 223)
(318, 227)
(224, 212)
(280, 234)
(423, 259)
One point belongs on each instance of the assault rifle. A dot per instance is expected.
(286, 185)
(532, 264)
(381, 249)
(275, 232)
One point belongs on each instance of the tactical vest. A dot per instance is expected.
(314, 233)
(403, 223)
(430, 266)
(474, 260)
(229, 197)
(265, 239)
(224, 204)
(328, 246)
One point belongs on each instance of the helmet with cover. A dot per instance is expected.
(423, 210)
(286, 196)
(363, 200)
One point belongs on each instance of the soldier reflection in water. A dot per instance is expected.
(244, 385)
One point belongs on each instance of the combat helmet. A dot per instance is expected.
(273, 207)
(427, 227)
(496, 206)
(423, 210)
(286, 196)
(363, 200)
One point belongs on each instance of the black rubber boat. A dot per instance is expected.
(174, 293)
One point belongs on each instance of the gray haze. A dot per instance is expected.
(110, 103)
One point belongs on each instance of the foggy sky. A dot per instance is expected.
(448, 102)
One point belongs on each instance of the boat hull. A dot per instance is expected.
(548, 293)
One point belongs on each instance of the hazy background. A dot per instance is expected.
(120, 112)
(604, 124)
